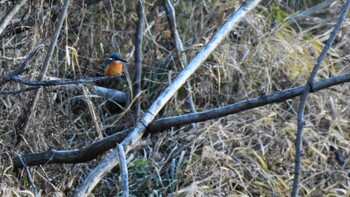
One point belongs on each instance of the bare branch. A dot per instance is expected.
(63, 82)
(93, 150)
(54, 40)
(123, 169)
(46, 64)
(138, 59)
(306, 91)
(293, 18)
(180, 51)
(71, 156)
(111, 94)
(132, 139)
(21, 66)
(18, 91)
(151, 24)
(8, 17)
(166, 123)
(21, 26)
(30, 178)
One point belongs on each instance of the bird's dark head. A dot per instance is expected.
(113, 57)
(116, 57)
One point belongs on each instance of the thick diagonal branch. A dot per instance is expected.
(97, 148)
(132, 139)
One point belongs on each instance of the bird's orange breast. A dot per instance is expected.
(114, 68)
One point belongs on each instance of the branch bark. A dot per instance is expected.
(95, 149)
(124, 170)
(138, 60)
(132, 139)
(180, 52)
(9, 77)
(307, 89)
(62, 81)
(8, 17)
(32, 105)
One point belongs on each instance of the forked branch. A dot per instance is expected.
(307, 89)
(97, 148)
(133, 138)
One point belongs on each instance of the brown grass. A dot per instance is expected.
(245, 154)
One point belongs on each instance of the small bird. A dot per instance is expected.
(113, 65)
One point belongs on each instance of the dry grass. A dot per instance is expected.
(245, 154)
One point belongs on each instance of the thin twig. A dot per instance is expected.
(46, 64)
(29, 175)
(63, 82)
(293, 18)
(133, 138)
(59, 82)
(18, 91)
(54, 40)
(308, 11)
(21, 26)
(172, 170)
(124, 170)
(8, 17)
(138, 60)
(307, 89)
(151, 24)
(93, 150)
(8, 77)
(180, 51)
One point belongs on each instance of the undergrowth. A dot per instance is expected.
(250, 153)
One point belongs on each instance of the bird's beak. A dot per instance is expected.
(123, 60)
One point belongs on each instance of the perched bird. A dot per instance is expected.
(113, 64)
